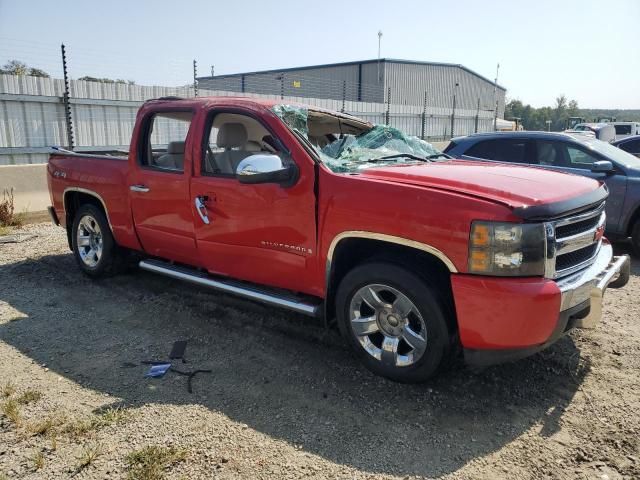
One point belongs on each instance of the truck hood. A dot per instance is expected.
(518, 187)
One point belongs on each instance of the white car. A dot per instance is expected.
(626, 129)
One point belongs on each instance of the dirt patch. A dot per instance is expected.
(285, 398)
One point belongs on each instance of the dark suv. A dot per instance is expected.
(575, 154)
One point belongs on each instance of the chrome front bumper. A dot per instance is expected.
(591, 283)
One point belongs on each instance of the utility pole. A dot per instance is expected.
(495, 100)
(453, 110)
(212, 70)
(195, 79)
(379, 42)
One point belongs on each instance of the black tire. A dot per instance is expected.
(424, 298)
(110, 259)
(635, 238)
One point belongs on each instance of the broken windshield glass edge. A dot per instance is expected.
(363, 144)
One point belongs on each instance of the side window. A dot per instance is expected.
(579, 158)
(549, 153)
(165, 138)
(504, 150)
(232, 138)
(632, 146)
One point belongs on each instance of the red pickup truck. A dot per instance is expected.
(418, 256)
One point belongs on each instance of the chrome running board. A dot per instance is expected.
(262, 295)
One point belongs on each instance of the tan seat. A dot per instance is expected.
(174, 158)
(233, 138)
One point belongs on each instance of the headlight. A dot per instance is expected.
(507, 249)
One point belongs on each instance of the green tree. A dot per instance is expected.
(16, 67)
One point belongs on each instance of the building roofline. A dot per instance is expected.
(355, 62)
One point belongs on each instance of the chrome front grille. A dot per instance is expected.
(574, 242)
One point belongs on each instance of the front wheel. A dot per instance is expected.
(394, 321)
(635, 238)
(94, 248)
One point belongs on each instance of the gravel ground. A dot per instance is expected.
(285, 399)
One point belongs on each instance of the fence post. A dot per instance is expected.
(281, 78)
(195, 79)
(387, 115)
(424, 115)
(65, 100)
(344, 94)
(453, 110)
(477, 115)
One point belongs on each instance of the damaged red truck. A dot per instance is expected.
(419, 257)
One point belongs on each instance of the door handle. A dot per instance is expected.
(201, 208)
(139, 188)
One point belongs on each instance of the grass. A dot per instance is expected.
(38, 460)
(11, 409)
(4, 231)
(109, 416)
(45, 426)
(29, 396)
(8, 217)
(151, 462)
(53, 437)
(7, 390)
(88, 456)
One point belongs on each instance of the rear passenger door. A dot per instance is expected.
(572, 158)
(158, 182)
(511, 150)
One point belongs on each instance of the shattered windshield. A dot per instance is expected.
(349, 144)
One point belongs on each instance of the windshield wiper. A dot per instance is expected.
(439, 155)
(400, 155)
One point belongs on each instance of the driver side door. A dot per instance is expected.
(264, 233)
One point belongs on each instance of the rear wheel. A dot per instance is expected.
(393, 321)
(93, 245)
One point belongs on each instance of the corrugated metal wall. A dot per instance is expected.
(410, 82)
(327, 82)
(360, 82)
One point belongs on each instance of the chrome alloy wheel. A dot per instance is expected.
(388, 325)
(89, 241)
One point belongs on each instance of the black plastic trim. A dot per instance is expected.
(53, 215)
(571, 206)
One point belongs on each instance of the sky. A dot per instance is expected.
(587, 49)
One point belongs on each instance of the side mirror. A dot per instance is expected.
(602, 166)
(266, 168)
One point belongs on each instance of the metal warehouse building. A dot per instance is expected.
(398, 82)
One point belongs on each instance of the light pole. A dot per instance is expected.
(453, 110)
(379, 42)
(495, 99)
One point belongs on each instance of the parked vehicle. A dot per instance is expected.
(573, 121)
(571, 154)
(416, 255)
(602, 131)
(629, 144)
(626, 129)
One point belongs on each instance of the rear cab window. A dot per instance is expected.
(164, 139)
